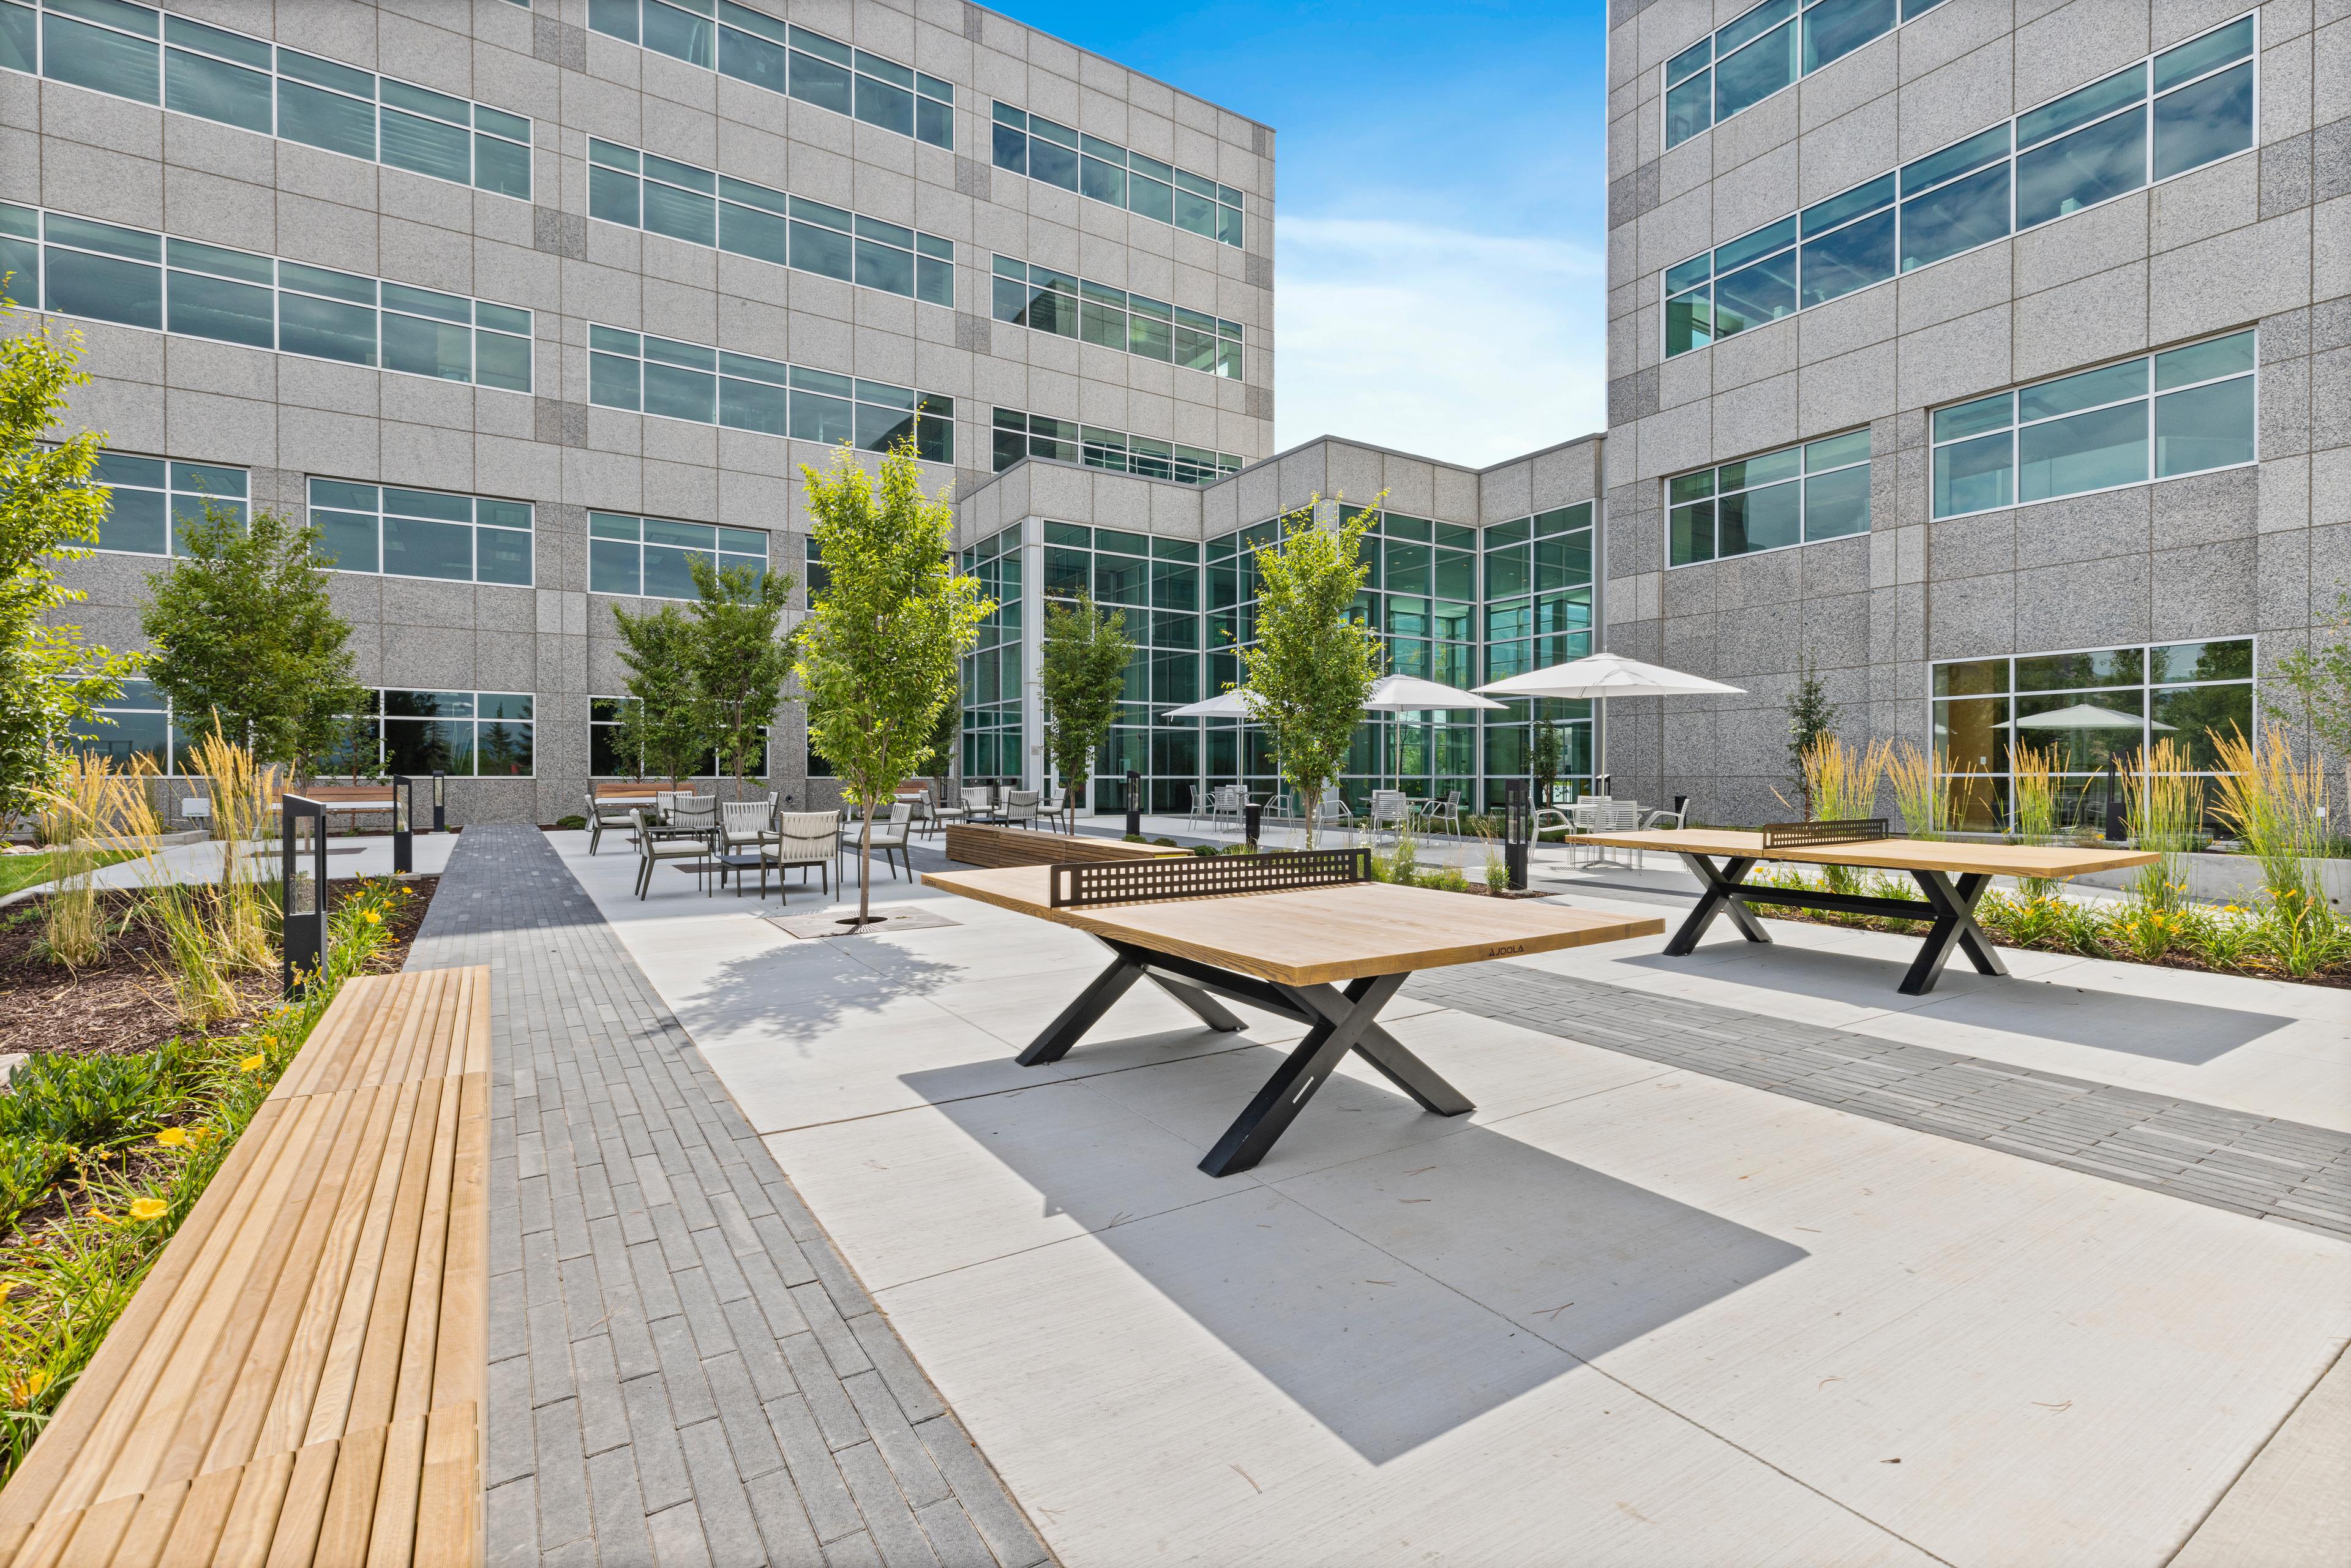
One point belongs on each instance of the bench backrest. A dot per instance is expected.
(355, 794)
(632, 789)
(300, 1376)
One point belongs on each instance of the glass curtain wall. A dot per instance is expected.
(994, 743)
(2087, 707)
(1156, 583)
(1538, 609)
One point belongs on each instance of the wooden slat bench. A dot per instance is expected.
(981, 844)
(300, 1377)
(353, 801)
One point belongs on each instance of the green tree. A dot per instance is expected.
(667, 722)
(946, 736)
(245, 638)
(1543, 759)
(739, 659)
(2318, 681)
(881, 649)
(50, 512)
(1084, 671)
(1314, 659)
(1811, 716)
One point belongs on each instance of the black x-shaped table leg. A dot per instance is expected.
(1719, 895)
(1955, 924)
(1952, 904)
(1337, 1022)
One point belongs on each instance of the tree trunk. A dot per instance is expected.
(865, 866)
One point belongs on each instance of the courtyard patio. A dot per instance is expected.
(1740, 1259)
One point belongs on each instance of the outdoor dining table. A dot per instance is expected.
(1951, 872)
(1307, 936)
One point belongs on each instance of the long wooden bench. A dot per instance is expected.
(300, 1377)
(353, 801)
(983, 844)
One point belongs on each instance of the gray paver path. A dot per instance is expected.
(2259, 1165)
(681, 1368)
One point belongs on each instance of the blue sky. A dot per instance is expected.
(1438, 281)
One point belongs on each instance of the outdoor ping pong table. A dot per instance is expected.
(1951, 873)
(1306, 936)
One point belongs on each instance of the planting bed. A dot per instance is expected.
(122, 1003)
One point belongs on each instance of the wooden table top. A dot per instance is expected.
(1314, 936)
(1954, 856)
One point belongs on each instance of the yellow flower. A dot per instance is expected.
(252, 1063)
(373, 918)
(200, 1135)
(147, 1208)
(172, 1138)
(25, 1390)
(100, 1216)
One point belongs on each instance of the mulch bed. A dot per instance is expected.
(122, 1003)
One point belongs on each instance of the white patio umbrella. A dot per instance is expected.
(1224, 705)
(1602, 676)
(2083, 715)
(1389, 694)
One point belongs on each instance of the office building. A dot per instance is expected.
(1990, 365)
(520, 305)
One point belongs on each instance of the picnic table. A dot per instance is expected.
(1307, 936)
(1952, 873)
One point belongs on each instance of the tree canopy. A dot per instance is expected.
(1314, 659)
(50, 512)
(667, 724)
(245, 636)
(878, 653)
(1085, 657)
(739, 658)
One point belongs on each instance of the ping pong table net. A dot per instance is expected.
(1083, 884)
(1807, 836)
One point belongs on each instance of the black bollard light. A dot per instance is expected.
(1253, 815)
(2117, 820)
(1517, 820)
(1134, 804)
(303, 890)
(403, 824)
(440, 801)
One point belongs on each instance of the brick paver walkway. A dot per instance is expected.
(2251, 1164)
(681, 1368)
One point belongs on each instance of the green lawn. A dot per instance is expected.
(17, 871)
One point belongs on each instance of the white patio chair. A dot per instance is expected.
(1391, 811)
(1203, 805)
(1334, 807)
(1445, 809)
(802, 840)
(603, 814)
(656, 845)
(1020, 807)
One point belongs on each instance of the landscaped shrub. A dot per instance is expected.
(571, 823)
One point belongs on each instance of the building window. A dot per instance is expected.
(1054, 154)
(484, 735)
(660, 376)
(1047, 301)
(135, 725)
(1792, 496)
(640, 191)
(736, 41)
(152, 502)
(384, 529)
(1019, 435)
(817, 578)
(647, 555)
(2185, 410)
(136, 278)
(606, 760)
(1747, 60)
(130, 51)
(994, 743)
(2171, 112)
(2079, 711)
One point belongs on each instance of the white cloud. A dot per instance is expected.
(1444, 343)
